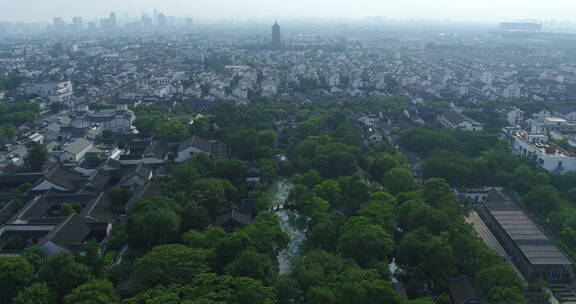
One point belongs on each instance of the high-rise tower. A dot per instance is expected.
(276, 41)
(161, 20)
(77, 23)
(59, 24)
(113, 21)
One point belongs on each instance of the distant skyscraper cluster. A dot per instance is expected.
(77, 23)
(59, 23)
(161, 20)
(521, 26)
(157, 20)
(109, 23)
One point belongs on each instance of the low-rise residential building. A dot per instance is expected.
(137, 178)
(478, 195)
(39, 223)
(76, 151)
(515, 117)
(552, 123)
(548, 156)
(117, 120)
(59, 179)
(512, 91)
(72, 234)
(196, 144)
(455, 120)
(60, 91)
(568, 113)
(56, 132)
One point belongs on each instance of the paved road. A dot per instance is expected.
(489, 238)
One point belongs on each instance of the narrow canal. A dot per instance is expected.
(291, 222)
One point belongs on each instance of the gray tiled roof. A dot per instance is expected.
(454, 117)
(233, 215)
(463, 289)
(77, 146)
(99, 209)
(64, 178)
(196, 142)
(147, 191)
(73, 231)
(531, 241)
(564, 110)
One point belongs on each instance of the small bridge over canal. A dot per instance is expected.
(283, 206)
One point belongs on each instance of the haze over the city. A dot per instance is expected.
(456, 10)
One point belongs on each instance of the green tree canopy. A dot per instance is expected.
(226, 289)
(544, 199)
(170, 130)
(37, 293)
(62, 273)
(169, 264)
(366, 244)
(15, 275)
(380, 211)
(153, 227)
(329, 191)
(34, 256)
(252, 264)
(349, 283)
(308, 179)
(36, 157)
(266, 234)
(399, 180)
(524, 178)
(432, 254)
(93, 292)
(493, 278)
(230, 169)
(194, 217)
(213, 194)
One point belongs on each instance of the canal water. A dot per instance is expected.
(294, 224)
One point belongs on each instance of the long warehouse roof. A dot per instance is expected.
(531, 241)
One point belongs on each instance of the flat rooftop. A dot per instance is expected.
(531, 241)
(555, 119)
(547, 149)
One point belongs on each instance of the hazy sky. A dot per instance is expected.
(473, 10)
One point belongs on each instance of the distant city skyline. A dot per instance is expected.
(456, 10)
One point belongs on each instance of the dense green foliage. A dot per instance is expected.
(37, 293)
(477, 159)
(15, 275)
(169, 264)
(10, 82)
(18, 114)
(62, 273)
(171, 130)
(36, 157)
(13, 116)
(93, 292)
(360, 204)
